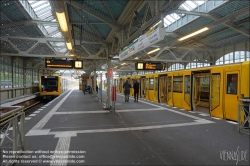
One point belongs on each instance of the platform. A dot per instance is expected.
(74, 129)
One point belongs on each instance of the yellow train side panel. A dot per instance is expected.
(232, 91)
(178, 99)
(245, 79)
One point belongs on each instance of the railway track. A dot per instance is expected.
(27, 110)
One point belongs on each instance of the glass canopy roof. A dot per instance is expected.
(42, 8)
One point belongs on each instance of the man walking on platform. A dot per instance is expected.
(136, 90)
(126, 87)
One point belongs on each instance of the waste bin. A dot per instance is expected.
(246, 102)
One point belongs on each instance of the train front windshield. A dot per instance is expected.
(49, 83)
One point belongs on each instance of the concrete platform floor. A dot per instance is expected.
(73, 129)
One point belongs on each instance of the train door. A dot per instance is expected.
(216, 82)
(201, 91)
(170, 89)
(150, 87)
(232, 95)
(156, 90)
(162, 95)
(143, 87)
(187, 90)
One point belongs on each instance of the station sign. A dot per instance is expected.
(149, 66)
(151, 37)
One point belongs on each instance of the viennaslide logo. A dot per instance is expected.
(234, 155)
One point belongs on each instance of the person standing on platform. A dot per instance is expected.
(96, 89)
(136, 90)
(126, 87)
(83, 88)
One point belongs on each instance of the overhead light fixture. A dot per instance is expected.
(157, 49)
(194, 33)
(123, 63)
(136, 57)
(69, 45)
(71, 54)
(62, 21)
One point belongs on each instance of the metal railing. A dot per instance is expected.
(10, 119)
(244, 115)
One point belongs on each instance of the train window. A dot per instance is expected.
(232, 80)
(151, 83)
(187, 84)
(156, 83)
(178, 82)
(215, 90)
(169, 84)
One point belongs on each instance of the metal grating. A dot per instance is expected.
(219, 36)
(14, 32)
(96, 6)
(42, 49)
(116, 7)
(148, 17)
(143, 10)
(195, 25)
(4, 20)
(31, 31)
(232, 40)
(23, 45)
(7, 48)
(102, 29)
(79, 48)
(231, 7)
(11, 10)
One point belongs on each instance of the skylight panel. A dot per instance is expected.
(41, 7)
(191, 4)
(170, 18)
(46, 14)
(36, 4)
(167, 21)
(200, 2)
(185, 7)
(174, 15)
(39, 12)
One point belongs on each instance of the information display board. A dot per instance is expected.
(149, 66)
(68, 64)
(78, 64)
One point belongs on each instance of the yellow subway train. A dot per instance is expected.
(53, 86)
(215, 90)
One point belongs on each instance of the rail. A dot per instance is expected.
(18, 135)
(244, 115)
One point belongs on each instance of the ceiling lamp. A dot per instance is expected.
(62, 21)
(157, 49)
(69, 45)
(194, 33)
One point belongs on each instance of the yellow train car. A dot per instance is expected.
(214, 90)
(53, 86)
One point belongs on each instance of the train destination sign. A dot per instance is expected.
(149, 66)
(53, 63)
